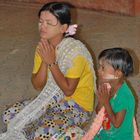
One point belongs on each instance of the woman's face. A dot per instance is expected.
(105, 71)
(49, 26)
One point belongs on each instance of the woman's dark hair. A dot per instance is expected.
(119, 58)
(60, 10)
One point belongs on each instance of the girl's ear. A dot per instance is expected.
(118, 73)
(63, 28)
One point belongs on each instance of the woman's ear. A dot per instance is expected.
(63, 28)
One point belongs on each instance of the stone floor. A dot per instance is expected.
(19, 36)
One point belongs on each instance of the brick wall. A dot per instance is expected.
(136, 7)
(127, 7)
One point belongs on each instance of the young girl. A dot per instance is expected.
(114, 94)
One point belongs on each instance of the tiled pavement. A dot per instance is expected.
(19, 36)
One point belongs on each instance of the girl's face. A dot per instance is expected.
(105, 71)
(49, 26)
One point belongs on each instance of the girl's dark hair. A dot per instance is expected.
(119, 58)
(60, 10)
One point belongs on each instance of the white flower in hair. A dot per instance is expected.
(71, 30)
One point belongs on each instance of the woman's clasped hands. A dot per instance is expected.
(46, 52)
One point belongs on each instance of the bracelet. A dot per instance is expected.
(52, 64)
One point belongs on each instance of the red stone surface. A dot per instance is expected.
(127, 7)
(136, 7)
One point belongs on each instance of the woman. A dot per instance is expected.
(63, 68)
